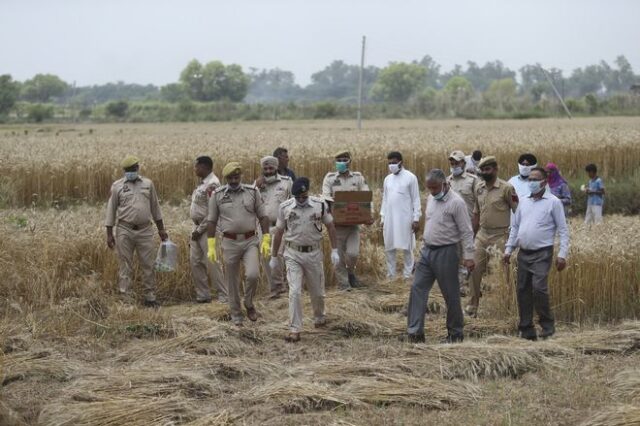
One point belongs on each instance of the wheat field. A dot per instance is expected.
(73, 354)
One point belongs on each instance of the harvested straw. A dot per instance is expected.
(47, 364)
(626, 384)
(298, 396)
(621, 415)
(221, 418)
(132, 412)
(603, 341)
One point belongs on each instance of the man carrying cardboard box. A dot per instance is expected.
(348, 235)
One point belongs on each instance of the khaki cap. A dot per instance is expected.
(456, 155)
(342, 153)
(488, 161)
(129, 161)
(231, 168)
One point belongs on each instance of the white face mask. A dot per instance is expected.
(457, 171)
(394, 168)
(131, 176)
(525, 171)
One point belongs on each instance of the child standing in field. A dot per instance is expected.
(595, 195)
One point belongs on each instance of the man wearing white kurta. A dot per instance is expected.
(399, 214)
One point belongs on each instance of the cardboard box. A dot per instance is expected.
(352, 207)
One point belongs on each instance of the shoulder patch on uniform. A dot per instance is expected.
(247, 186)
(514, 197)
(220, 189)
(357, 173)
(285, 177)
(288, 202)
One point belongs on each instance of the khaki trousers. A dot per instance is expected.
(202, 269)
(140, 241)
(234, 252)
(275, 276)
(348, 249)
(485, 239)
(310, 267)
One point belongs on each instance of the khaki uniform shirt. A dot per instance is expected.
(236, 211)
(135, 203)
(334, 181)
(200, 201)
(495, 204)
(274, 194)
(303, 225)
(465, 186)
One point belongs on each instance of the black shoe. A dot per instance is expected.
(547, 334)
(531, 337)
(203, 300)
(453, 339)
(415, 338)
(353, 281)
(151, 304)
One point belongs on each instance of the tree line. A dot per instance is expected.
(419, 88)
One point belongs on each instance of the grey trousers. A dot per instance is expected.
(533, 291)
(436, 264)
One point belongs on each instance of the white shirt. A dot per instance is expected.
(470, 165)
(536, 223)
(520, 185)
(447, 222)
(400, 208)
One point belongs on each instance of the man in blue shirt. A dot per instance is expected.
(283, 163)
(595, 195)
(539, 217)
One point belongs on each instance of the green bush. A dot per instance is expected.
(38, 113)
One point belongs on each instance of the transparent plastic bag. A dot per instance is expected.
(167, 257)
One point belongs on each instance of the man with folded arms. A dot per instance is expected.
(538, 218)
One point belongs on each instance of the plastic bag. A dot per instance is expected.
(167, 257)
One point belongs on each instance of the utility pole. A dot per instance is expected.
(553, 86)
(360, 77)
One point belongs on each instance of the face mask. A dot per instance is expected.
(270, 179)
(456, 171)
(341, 166)
(439, 196)
(131, 176)
(486, 176)
(535, 186)
(394, 168)
(525, 171)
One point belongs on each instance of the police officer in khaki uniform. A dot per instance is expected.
(495, 200)
(132, 206)
(464, 184)
(201, 267)
(275, 189)
(235, 208)
(344, 179)
(300, 221)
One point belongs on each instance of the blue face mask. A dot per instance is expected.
(535, 186)
(131, 176)
(342, 166)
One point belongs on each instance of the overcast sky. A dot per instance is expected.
(150, 41)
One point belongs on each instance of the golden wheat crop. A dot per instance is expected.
(61, 164)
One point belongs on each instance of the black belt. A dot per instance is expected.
(303, 249)
(233, 236)
(526, 251)
(133, 226)
(432, 247)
